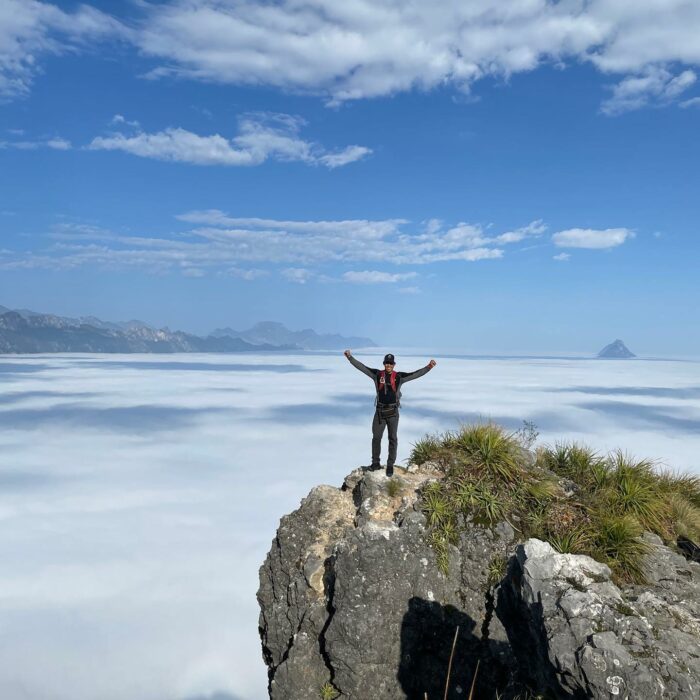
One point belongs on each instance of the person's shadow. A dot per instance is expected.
(427, 634)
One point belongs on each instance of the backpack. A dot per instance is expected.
(382, 379)
(393, 380)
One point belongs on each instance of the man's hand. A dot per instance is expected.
(347, 353)
(432, 364)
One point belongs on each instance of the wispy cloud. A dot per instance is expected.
(232, 245)
(57, 144)
(592, 238)
(249, 274)
(192, 271)
(692, 102)
(377, 277)
(300, 275)
(535, 228)
(261, 136)
(122, 120)
(339, 241)
(655, 85)
(355, 227)
(300, 251)
(561, 256)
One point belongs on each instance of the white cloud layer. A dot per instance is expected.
(177, 449)
(592, 238)
(367, 48)
(261, 137)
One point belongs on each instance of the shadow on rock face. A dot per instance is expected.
(427, 633)
(524, 625)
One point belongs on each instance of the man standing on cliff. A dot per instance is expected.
(388, 385)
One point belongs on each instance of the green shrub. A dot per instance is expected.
(486, 447)
(425, 450)
(441, 547)
(686, 485)
(576, 462)
(618, 541)
(632, 493)
(541, 491)
(616, 497)
(684, 516)
(436, 507)
(497, 569)
(491, 508)
(576, 541)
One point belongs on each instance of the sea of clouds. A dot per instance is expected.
(139, 494)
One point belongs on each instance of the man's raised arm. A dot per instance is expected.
(408, 376)
(356, 363)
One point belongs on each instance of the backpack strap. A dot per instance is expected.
(393, 379)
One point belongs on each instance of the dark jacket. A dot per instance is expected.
(385, 394)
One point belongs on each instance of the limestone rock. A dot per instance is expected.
(593, 640)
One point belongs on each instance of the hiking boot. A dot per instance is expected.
(390, 470)
(374, 467)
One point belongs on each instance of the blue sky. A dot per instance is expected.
(455, 177)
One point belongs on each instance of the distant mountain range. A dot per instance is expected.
(24, 331)
(277, 334)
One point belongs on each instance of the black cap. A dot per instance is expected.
(389, 359)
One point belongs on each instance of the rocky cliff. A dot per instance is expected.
(356, 604)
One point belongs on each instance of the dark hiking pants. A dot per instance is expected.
(377, 433)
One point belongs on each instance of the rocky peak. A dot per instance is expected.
(353, 603)
(616, 350)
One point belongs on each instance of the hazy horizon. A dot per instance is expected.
(533, 351)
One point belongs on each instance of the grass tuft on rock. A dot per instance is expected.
(393, 488)
(329, 692)
(568, 495)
